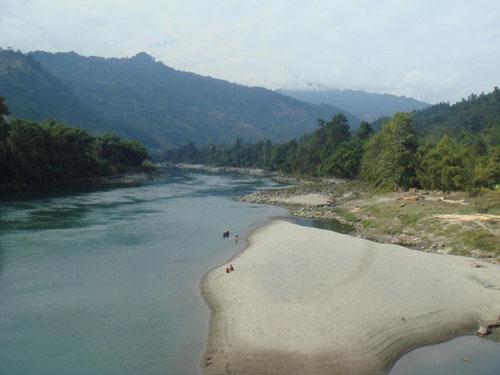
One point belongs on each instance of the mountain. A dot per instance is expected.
(474, 115)
(365, 105)
(476, 119)
(471, 115)
(146, 100)
(34, 93)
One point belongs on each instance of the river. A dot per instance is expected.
(107, 281)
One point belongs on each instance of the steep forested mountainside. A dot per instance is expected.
(34, 93)
(144, 99)
(478, 115)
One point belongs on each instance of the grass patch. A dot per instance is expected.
(391, 230)
(346, 215)
(372, 210)
(487, 202)
(409, 219)
(481, 239)
(368, 224)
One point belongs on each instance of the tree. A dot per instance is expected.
(49, 154)
(365, 131)
(445, 166)
(487, 170)
(3, 107)
(345, 161)
(389, 159)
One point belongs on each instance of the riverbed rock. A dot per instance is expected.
(483, 331)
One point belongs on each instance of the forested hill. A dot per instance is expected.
(49, 154)
(144, 99)
(365, 105)
(446, 147)
(34, 93)
(478, 115)
(475, 114)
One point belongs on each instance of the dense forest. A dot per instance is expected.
(50, 154)
(143, 99)
(455, 149)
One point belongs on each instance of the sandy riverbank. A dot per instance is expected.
(308, 199)
(214, 169)
(454, 223)
(304, 300)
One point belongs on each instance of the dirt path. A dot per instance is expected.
(475, 217)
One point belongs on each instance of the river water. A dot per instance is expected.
(106, 282)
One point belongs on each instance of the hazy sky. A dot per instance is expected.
(439, 50)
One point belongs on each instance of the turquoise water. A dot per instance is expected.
(106, 282)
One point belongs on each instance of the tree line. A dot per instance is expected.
(394, 157)
(49, 154)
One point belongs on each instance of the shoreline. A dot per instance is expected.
(286, 361)
(214, 169)
(203, 286)
(125, 179)
(430, 221)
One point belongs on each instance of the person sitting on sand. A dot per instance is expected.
(231, 268)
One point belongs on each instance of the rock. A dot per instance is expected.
(483, 331)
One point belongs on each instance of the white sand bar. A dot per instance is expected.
(309, 301)
(311, 199)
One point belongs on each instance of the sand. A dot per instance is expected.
(307, 199)
(475, 217)
(308, 301)
(311, 199)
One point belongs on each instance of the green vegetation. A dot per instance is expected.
(444, 166)
(50, 154)
(460, 153)
(426, 220)
(481, 239)
(389, 158)
(330, 150)
(144, 99)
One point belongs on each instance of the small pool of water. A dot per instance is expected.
(466, 355)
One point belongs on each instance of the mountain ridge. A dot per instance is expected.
(144, 99)
(367, 106)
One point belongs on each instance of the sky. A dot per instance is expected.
(440, 50)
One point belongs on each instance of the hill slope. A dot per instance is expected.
(472, 115)
(33, 93)
(141, 98)
(475, 117)
(367, 106)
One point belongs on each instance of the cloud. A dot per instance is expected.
(404, 47)
(429, 83)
